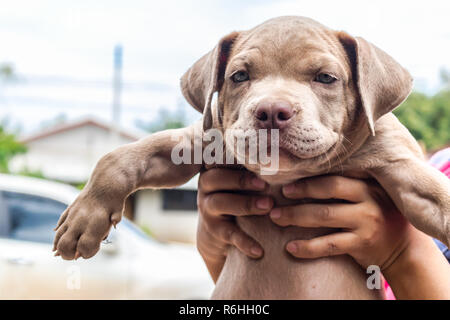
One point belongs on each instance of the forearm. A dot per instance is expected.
(420, 271)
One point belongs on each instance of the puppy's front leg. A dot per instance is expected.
(421, 193)
(143, 164)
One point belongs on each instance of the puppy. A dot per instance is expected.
(330, 97)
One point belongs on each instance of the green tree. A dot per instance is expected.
(6, 72)
(9, 147)
(427, 118)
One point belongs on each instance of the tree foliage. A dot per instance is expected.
(9, 147)
(427, 118)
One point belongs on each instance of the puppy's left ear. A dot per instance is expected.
(205, 77)
(383, 84)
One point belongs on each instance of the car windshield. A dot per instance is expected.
(28, 217)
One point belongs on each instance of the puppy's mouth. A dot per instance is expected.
(304, 148)
(306, 152)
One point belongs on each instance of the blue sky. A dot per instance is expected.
(62, 50)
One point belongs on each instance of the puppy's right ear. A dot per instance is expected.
(205, 77)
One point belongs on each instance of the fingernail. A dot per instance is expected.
(275, 213)
(291, 247)
(258, 183)
(256, 251)
(263, 203)
(289, 188)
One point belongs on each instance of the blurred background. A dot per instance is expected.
(78, 79)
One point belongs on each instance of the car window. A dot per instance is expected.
(30, 217)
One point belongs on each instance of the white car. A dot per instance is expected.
(131, 266)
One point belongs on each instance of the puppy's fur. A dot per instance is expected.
(345, 127)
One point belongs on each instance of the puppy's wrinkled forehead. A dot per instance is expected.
(280, 44)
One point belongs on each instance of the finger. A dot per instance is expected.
(328, 187)
(230, 233)
(325, 246)
(315, 215)
(218, 204)
(220, 179)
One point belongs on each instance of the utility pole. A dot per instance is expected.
(117, 88)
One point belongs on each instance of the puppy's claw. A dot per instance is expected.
(77, 255)
(114, 223)
(57, 254)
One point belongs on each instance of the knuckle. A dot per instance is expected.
(368, 239)
(243, 180)
(209, 202)
(374, 215)
(200, 202)
(324, 212)
(206, 180)
(247, 205)
(331, 248)
(300, 187)
(338, 185)
(287, 216)
(230, 235)
(202, 181)
(240, 241)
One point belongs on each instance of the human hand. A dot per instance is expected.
(218, 207)
(372, 230)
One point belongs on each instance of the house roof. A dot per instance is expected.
(57, 129)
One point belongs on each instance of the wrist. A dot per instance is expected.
(419, 271)
(410, 257)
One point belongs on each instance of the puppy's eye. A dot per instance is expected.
(325, 78)
(240, 76)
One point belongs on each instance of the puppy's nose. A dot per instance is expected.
(273, 114)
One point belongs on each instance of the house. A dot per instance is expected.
(169, 214)
(68, 152)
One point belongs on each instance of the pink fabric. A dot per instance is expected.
(389, 294)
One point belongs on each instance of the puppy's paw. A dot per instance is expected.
(83, 226)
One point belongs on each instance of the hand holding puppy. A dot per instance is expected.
(369, 228)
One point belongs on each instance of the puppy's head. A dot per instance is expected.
(321, 88)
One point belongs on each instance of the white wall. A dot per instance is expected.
(165, 225)
(69, 155)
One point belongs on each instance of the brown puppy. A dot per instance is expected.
(330, 95)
